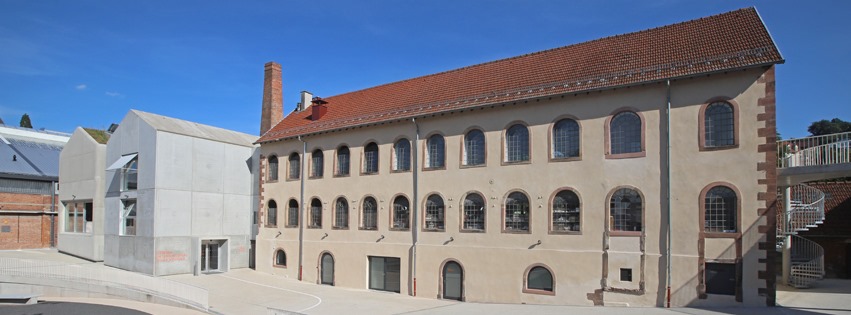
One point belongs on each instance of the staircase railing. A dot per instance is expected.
(806, 210)
(807, 262)
(815, 151)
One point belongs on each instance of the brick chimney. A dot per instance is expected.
(273, 97)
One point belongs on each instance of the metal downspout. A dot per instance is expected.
(301, 209)
(53, 214)
(668, 188)
(415, 205)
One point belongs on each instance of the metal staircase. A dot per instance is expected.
(805, 211)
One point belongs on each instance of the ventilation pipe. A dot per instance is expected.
(306, 98)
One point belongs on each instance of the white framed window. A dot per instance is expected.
(78, 217)
(435, 152)
(517, 144)
(292, 213)
(719, 125)
(128, 217)
(369, 214)
(402, 155)
(720, 213)
(474, 213)
(317, 164)
(341, 213)
(272, 214)
(625, 133)
(294, 167)
(434, 214)
(370, 158)
(565, 139)
(474, 148)
(401, 213)
(130, 175)
(273, 168)
(565, 212)
(516, 212)
(315, 213)
(343, 158)
(627, 211)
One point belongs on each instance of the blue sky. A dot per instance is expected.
(86, 63)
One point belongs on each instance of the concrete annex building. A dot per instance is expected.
(546, 178)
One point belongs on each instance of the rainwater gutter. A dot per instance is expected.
(301, 209)
(668, 190)
(415, 205)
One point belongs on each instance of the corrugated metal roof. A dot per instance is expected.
(193, 129)
(29, 158)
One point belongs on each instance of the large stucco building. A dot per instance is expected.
(554, 177)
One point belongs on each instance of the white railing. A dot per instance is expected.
(39, 271)
(807, 262)
(806, 211)
(815, 151)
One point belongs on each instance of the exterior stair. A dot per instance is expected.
(806, 210)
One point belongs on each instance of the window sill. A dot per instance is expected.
(426, 169)
(473, 166)
(398, 171)
(630, 155)
(341, 175)
(516, 231)
(271, 181)
(555, 232)
(367, 229)
(314, 227)
(291, 226)
(507, 163)
(625, 233)
(566, 159)
(722, 234)
(340, 228)
(271, 226)
(315, 177)
(539, 292)
(368, 174)
(433, 230)
(400, 229)
(280, 266)
(720, 148)
(472, 231)
(292, 179)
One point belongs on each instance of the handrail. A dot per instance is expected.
(807, 262)
(814, 151)
(806, 211)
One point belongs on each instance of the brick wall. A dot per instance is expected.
(21, 229)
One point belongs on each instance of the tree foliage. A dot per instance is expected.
(25, 121)
(826, 127)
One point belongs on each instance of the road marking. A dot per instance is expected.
(282, 289)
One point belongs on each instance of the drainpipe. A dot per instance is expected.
(301, 209)
(53, 214)
(668, 187)
(415, 204)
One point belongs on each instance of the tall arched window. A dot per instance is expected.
(341, 213)
(343, 161)
(625, 133)
(436, 152)
(474, 148)
(317, 164)
(315, 213)
(517, 144)
(566, 212)
(474, 213)
(517, 212)
(292, 213)
(565, 139)
(402, 155)
(280, 258)
(370, 214)
(719, 125)
(720, 213)
(627, 210)
(401, 213)
(273, 168)
(272, 213)
(370, 158)
(295, 166)
(434, 213)
(539, 278)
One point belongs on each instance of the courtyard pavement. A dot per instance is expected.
(245, 291)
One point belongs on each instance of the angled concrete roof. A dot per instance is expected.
(193, 129)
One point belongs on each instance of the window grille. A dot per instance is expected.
(566, 212)
(317, 164)
(434, 213)
(370, 214)
(370, 158)
(273, 168)
(315, 213)
(626, 210)
(720, 206)
(402, 154)
(341, 217)
(474, 148)
(540, 278)
(436, 152)
(272, 213)
(343, 161)
(517, 144)
(295, 166)
(474, 212)
(292, 215)
(566, 139)
(517, 212)
(719, 125)
(625, 133)
(401, 214)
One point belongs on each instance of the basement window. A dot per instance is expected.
(626, 274)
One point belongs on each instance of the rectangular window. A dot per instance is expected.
(128, 217)
(626, 274)
(78, 217)
(384, 273)
(130, 175)
(721, 278)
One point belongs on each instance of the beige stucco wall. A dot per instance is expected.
(495, 262)
(81, 179)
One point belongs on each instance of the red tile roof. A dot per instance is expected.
(731, 40)
(837, 194)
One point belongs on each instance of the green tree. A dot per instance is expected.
(825, 127)
(25, 121)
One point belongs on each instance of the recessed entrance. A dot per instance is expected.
(453, 281)
(384, 273)
(326, 272)
(210, 256)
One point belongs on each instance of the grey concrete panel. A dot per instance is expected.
(238, 170)
(127, 252)
(173, 255)
(145, 219)
(143, 259)
(173, 213)
(208, 164)
(111, 250)
(147, 150)
(237, 215)
(111, 217)
(238, 251)
(174, 161)
(77, 244)
(207, 214)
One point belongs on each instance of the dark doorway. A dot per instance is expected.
(384, 273)
(721, 278)
(326, 272)
(453, 281)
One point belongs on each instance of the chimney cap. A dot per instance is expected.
(318, 101)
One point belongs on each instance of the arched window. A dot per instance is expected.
(370, 214)
(272, 213)
(370, 158)
(273, 168)
(317, 160)
(539, 278)
(402, 155)
(719, 125)
(436, 152)
(280, 258)
(566, 139)
(401, 213)
(295, 166)
(341, 213)
(517, 212)
(720, 210)
(566, 212)
(625, 133)
(315, 213)
(292, 214)
(474, 213)
(434, 212)
(627, 210)
(474, 148)
(343, 161)
(517, 144)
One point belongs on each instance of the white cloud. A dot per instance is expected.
(114, 94)
(81, 87)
